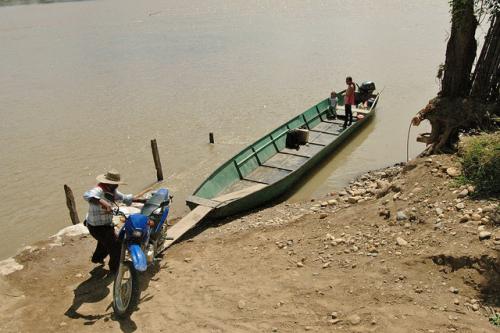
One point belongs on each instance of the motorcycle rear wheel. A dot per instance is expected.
(126, 291)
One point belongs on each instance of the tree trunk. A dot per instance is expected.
(460, 51)
(465, 101)
(486, 76)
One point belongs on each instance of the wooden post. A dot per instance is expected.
(70, 202)
(211, 137)
(156, 158)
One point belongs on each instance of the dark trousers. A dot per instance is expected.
(348, 115)
(107, 243)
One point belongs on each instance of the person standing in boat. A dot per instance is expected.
(332, 109)
(348, 101)
(99, 218)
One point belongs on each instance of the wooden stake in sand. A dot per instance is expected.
(156, 158)
(70, 202)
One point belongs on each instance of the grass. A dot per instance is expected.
(480, 158)
(495, 320)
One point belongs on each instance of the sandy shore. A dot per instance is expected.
(402, 250)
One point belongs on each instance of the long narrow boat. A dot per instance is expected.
(266, 169)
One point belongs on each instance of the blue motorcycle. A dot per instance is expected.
(142, 237)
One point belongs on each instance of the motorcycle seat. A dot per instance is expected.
(158, 199)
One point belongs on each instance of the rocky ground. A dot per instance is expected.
(404, 249)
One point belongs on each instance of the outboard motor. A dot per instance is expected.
(367, 87)
(365, 93)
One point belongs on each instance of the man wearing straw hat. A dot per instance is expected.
(99, 218)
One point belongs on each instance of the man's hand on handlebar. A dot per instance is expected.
(106, 205)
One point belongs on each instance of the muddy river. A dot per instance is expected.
(85, 85)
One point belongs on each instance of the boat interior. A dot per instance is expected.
(269, 159)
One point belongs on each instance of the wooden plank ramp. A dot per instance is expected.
(185, 224)
(196, 215)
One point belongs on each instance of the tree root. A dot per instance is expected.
(448, 117)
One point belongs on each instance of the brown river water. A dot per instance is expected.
(85, 85)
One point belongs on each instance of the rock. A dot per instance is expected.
(274, 329)
(489, 209)
(475, 217)
(401, 216)
(456, 301)
(439, 211)
(353, 200)
(300, 264)
(9, 265)
(187, 260)
(460, 206)
(453, 290)
(326, 265)
(354, 319)
(241, 304)
(484, 235)
(383, 211)
(334, 315)
(410, 165)
(401, 242)
(453, 172)
(464, 218)
(323, 215)
(475, 307)
(324, 204)
(360, 192)
(332, 202)
(463, 193)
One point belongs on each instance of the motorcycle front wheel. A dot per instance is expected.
(126, 290)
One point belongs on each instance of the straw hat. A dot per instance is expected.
(111, 177)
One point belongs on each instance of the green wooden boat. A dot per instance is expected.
(267, 169)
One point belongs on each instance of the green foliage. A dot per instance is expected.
(495, 320)
(480, 157)
(482, 8)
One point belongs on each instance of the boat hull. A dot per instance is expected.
(277, 189)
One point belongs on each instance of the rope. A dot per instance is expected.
(408, 143)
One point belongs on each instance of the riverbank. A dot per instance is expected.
(404, 249)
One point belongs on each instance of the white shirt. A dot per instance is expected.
(98, 216)
(333, 102)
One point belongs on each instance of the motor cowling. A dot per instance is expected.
(367, 87)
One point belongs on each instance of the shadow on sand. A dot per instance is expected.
(97, 288)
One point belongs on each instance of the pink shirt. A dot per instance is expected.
(349, 99)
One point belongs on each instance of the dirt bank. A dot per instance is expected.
(399, 251)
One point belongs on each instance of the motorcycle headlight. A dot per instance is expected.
(137, 233)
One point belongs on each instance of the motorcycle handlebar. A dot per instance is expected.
(118, 212)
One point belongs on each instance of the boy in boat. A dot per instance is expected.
(99, 218)
(348, 101)
(332, 109)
